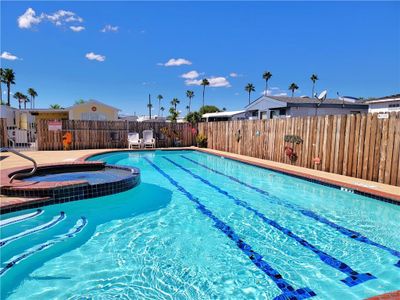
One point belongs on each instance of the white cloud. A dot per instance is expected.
(280, 94)
(93, 56)
(176, 62)
(233, 75)
(214, 82)
(190, 75)
(77, 28)
(28, 19)
(8, 56)
(60, 17)
(110, 28)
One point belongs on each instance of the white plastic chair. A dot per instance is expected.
(148, 139)
(134, 141)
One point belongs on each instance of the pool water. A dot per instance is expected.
(203, 227)
(92, 177)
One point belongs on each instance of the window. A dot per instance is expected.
(93, 116)
(394, 105)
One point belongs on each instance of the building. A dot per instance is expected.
(384, 104)
(270, 107)
(224, 116)
(93, 110)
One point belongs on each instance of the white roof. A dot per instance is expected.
(222, 114)
(395, 99)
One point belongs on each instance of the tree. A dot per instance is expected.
(208, 109)
(80, 101)
(293, 87)
(1, 82)
(266, 76)
(188, 108)
(190, 95)
(9, 79)
(175, 102)
(249, 88)
(193, 117)
(33, 94)
(173, 114)
(149, 106)
(162, 110)
(159, 97)
(55, 106)
(204, 83)
(21, 98)
(313, 78)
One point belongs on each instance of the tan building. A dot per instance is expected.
(93, 110)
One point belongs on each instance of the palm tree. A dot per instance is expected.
(33, 94)
(55, 106)
(249, 88)
(190, 95)
(188, 108)
(9, 79)
(159, 97)
(204, 83)
(21, 98)
(149, 106)
(313, 78)
(1, 82)
(293, 87)
(162, 110)
(175, 102)
(266, 76)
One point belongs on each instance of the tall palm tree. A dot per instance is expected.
(1, 82)
(33, 94)
(175, 102)
(9, 79)
(55, 106)
(313, 78)
(249, 88)
(190, 95)
(293, 87)
(159, 97)
(21, 98)
(149, 106)
(162, 108)
(204, 83)
(266, 76)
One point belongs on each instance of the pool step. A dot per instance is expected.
(78, 227)
(6, 222)
(37, 229)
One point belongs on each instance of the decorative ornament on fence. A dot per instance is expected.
(289, 151)
(238, 136)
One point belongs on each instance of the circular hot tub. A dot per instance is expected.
(58, 183)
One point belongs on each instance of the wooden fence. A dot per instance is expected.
(3, 133)
(111, 134)
(359, 145)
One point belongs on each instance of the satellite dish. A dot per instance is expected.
(322, 96)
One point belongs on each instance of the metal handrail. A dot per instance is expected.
(21, 175)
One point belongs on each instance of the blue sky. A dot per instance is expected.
(61, 49)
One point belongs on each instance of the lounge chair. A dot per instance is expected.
(148, 139)
(134, 141)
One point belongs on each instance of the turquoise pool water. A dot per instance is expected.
(203, 227)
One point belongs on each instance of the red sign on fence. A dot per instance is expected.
(55, 125)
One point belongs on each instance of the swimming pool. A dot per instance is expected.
(200, 227)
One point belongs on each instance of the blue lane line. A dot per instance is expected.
(80, 224)
(353, 278)
(18, 219)
(308, 213)
(288, 291)
(39, 228)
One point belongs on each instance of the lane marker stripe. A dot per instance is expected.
(354, 278)
(39, 228)
(308, 213)
(17, 219)
(288, 291)
(80, 224)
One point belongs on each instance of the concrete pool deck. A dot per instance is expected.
(370, 188)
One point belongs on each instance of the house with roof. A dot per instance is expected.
(384, 104)
(224, 116)
(270, 107)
